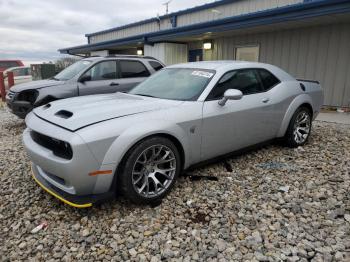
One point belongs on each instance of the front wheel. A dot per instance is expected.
(299, 128)
(150, 170)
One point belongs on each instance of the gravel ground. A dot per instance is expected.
(272, 204)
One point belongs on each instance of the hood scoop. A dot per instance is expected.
(78, 112)
(64, 114)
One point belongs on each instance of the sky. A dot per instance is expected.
(33, 30)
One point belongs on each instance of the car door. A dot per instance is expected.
(103, 77)
(239, 123)
(132, 72)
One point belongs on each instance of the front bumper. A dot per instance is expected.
(69, 180)
(19, 108)
(69, 199)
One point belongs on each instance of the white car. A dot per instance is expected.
(84, 149)
(21, 74)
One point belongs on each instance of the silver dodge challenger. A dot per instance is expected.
(86, 149)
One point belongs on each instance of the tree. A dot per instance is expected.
(64, 62)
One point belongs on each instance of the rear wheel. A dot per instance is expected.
(150, 170)
(299, 128)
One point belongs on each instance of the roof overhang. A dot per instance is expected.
(283, 15)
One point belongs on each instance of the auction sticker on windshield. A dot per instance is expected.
(202, 74)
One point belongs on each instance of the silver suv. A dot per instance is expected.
(93, 75)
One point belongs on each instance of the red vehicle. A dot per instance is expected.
(4, 64)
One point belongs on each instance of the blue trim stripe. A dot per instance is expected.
(277, 15)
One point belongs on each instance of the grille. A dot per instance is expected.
(58, 147)
(55, 178)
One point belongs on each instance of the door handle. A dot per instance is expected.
(114, 84)
(265, 100)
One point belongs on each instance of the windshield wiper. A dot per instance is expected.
(145, 95)
(54, 78)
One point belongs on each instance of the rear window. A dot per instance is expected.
(268, 79)
(132, 69)
(156, 66)
(8, 64)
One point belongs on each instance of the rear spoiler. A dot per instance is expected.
(307, 80)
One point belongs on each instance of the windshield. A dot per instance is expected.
(175, 84)
(72, 70)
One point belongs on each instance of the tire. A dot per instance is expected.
(299, 128)
(149, 170)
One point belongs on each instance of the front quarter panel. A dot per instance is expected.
(115, 137)
(140, 131)
(69, 89)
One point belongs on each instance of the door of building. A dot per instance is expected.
(195, 55)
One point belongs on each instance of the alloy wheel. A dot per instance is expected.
(154, 171)
(302, 127)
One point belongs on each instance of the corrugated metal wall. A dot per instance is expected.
(235, 8)
(232, 9)
(156, 51)
(321, 53)
(175, 53)
(135, 30)
(168, 53)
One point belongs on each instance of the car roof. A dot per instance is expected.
(16, 67)
(132, 57)
(10, 60)
(219, 64)
(223, 66)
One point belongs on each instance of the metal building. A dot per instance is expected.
(308, 38)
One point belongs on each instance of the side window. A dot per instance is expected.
(23, 71)
(16, 72)
(245, 80)
(103, 71)
(132, 69)
(8, 64)
(28, 71)
(156, 66)
(268, 80)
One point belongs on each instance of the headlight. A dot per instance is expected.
(28, 95)
(58, 147)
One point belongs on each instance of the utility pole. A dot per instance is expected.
(167, 6)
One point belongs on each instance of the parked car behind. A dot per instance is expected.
(94, 75)
(21, 74)
(85, 149)
(4, 64)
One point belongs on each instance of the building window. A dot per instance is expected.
(247, 53)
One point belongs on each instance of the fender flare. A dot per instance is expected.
(294, 105)
(136, 133)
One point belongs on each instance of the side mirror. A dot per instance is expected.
(230, 94)
(85, 78)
